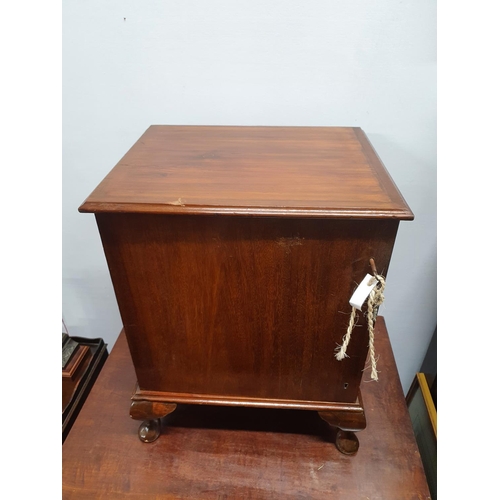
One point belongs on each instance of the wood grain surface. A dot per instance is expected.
(245, 307)
(293, 171)
(214, 452)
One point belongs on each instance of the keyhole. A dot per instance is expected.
(346, 385)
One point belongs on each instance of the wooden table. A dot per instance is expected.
(242, 453)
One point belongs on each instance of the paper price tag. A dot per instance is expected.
(361, 293)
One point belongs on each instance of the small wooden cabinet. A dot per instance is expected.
(233, 253)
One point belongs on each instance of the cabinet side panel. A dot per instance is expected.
(250, 307)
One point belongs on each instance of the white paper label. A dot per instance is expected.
(361, 293)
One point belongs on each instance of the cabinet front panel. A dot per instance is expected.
(245, 307)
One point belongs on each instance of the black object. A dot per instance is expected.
(99, 354)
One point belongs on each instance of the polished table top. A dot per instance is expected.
(225, 453)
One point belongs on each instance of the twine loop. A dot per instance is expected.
(375, 299)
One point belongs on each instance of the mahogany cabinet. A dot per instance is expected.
(233, 253)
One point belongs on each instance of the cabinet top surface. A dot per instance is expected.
(269, 171)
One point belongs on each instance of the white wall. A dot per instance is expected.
(128, 64)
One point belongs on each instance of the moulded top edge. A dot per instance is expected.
(179, 209)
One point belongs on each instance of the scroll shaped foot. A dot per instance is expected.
(345, 423)
(150, 430)
(152, 413)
